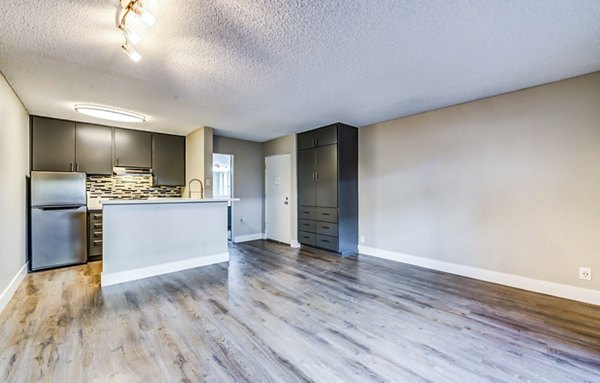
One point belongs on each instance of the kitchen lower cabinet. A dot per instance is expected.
(94, 235)
(328, 188)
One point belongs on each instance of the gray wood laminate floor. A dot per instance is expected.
(283, 315)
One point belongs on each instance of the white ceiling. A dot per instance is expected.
(259, 69)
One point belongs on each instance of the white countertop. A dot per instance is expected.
(166, 201)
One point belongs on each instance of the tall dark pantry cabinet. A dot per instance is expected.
(328, 188)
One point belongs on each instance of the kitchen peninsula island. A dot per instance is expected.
(145, 238)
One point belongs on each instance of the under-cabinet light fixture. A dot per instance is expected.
(108, 113)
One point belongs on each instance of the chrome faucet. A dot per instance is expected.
(190, 188)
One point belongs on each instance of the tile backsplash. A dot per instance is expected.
(138, 186)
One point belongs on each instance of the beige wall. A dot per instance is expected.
(248, 169)
(198, 160)
(14, 166)
(509, 183)
(286, 145)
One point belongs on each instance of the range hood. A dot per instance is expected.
(123, 171)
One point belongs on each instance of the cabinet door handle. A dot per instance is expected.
(316, 176)
(76, 166)
(316, 141)
(70, 166)
(117, 160)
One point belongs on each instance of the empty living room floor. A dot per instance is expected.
(286, 315)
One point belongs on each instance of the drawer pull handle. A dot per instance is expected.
(325, 227)
(325, 213)
(325, 240)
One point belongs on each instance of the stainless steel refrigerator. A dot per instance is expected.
(58, 219)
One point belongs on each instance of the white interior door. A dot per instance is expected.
(278, 213)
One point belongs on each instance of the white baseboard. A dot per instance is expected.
(295, 244)
(10, 290)
(166, 268)
(536, 285)
(249, 237)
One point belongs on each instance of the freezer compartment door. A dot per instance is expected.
(58, 237)
(56, 188)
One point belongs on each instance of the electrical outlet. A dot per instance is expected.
(585, 273)
(362, 239)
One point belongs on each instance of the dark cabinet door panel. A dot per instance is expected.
(306, 177)
(53, 145)
(93, 149)
(133, 148)
(326, 242)
(326, 214)
(327, 176)
(306, 225)
(168, 160)
(305, 212)
(326, 136)
(306, 238)
(326, 228)
(306, 140)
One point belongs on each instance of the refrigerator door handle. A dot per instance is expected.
(44, 208)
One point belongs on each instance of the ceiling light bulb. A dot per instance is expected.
(147, 17)
(131, 53)
(130, 35)
(107, 113)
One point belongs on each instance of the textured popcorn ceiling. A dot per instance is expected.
(259, 69)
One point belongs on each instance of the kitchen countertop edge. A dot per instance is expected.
(166, 201)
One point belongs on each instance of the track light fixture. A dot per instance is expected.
(133, 7)
(132, 53)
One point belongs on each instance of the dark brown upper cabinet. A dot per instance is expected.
(318, 137)
(168, 160)
(133, 148)
(93, 149)
(53, 145)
